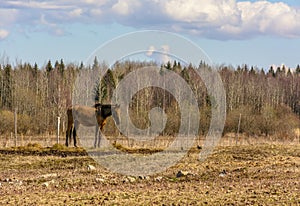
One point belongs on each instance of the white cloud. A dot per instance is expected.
(50, 27)
(43, 21)
(3, 33)
(125, 7)
(161, 55)
(263, 17)
(8, 16)
(150, 51)
(94, 2)
(219, 19)
(121, 7)
(231, 19)
(39, 5)
(96, 12)
(165, 57)
(203, 12)
(76, 12)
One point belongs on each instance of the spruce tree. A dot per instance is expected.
(49, 67)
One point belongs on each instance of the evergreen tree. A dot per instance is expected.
(7, 98)
(168, 65)
(289, 73)
(95, 64)
(161, 70)
(61, 67)
(298, 69)
(271, 72)
(283, 69)
(239, 69)
(245, 68)
(49, 67)
(81, 66)
(279, 72)
(179, 65)
(185, 75)
(104, 89)
(56, 65)
(176, 67)
(252, 70)
(174, 64)
(35, 70)
(202, 64)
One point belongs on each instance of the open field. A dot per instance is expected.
(260, 174)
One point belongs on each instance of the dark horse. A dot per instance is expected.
(90, 116)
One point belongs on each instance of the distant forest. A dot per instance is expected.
(268, 102)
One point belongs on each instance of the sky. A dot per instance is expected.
(232, 32)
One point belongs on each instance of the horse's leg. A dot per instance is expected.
(70, 126)
(96, 136)
(100, 133)
(74, 137)
(68, 134)
(76, 126)
(99, 136)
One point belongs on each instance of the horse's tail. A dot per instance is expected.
(70, 115)
(70, 125)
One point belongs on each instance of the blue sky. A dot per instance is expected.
(259, 33)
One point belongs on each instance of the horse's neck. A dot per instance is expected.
(106, 113)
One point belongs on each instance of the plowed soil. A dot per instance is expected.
(263, 174)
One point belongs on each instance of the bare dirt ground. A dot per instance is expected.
(261, 174)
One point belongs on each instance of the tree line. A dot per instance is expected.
(265, 102)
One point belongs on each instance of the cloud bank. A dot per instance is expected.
(3, 34)
(216, 19)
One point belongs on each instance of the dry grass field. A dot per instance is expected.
(257, 174)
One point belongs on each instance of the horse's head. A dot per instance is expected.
(106, 110)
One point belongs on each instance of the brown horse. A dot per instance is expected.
(90, 116)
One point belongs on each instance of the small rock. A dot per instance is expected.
(14, 181)
(223, 173)
(99, 180)
(158, 179)
(144, 177)
(131, 179)
(91, 168)
(46, 184)
(182, 173)
(49, 175)
(19, 182)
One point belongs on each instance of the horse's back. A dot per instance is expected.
(84, 115)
